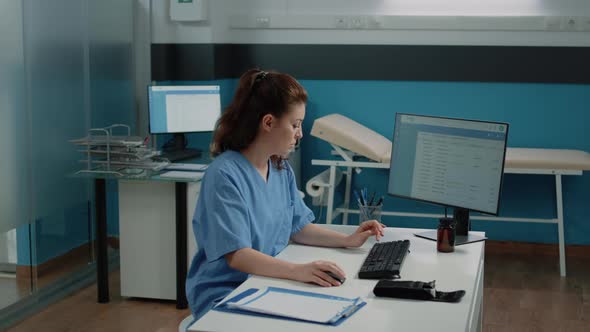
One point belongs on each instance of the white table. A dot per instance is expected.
(554, 162)
(462, 269)
(147, 202)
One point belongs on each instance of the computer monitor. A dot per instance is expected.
(456, 163)
(182, 109)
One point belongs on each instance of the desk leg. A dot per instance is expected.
(102, 263)
(347, 195)
(560, 231)
(331, 189)
(181, 244)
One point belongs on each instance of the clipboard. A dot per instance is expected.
(289, 304)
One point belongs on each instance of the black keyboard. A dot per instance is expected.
(176, 155)
(385, 260)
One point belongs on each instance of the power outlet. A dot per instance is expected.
(358, 22)
(585, 23)
(571, 23)
(341, 22)
(263, 22)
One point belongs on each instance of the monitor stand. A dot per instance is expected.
(178, 150)
(462, 228)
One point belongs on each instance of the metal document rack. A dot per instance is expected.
(119, 155)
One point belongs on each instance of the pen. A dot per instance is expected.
(380, 201)
(372, 198)
(356, 195)
(361, 198)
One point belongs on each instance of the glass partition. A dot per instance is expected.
(56, 62)
(14, 168)
(111, 83)
(13, 120)
(65, 67)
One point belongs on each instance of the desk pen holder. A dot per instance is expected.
(370, 212)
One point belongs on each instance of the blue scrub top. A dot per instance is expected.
(237, 209)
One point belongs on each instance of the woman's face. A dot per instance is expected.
(287, 130)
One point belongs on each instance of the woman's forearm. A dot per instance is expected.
(254, 262)
(315, 235)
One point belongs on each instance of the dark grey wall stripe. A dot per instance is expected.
(183, 62)
(375, 62)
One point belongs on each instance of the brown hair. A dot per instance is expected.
(258, 93)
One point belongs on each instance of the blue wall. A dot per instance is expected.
(540, 116)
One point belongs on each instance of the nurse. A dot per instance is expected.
(249, 206)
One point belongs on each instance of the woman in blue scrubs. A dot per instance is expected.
(249, 206)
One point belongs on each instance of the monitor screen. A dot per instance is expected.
(183, 109)
(452, 162)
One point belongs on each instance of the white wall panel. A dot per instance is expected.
(217, 29)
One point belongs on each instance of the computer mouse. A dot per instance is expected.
(335, 277)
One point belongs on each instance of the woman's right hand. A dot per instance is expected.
(315, 272)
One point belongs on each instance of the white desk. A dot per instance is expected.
(147, 202)
(148, 236)
(462, 269)
(554, 162)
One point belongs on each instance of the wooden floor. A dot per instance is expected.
(523, 292)
(81, 312)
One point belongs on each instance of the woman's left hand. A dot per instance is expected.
(365, 230)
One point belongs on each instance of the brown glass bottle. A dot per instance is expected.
(445, 237)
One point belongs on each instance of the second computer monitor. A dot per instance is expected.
(183, 109)
(451, 162)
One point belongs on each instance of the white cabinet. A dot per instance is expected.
(147, 221)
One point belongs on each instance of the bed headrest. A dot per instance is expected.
(351, 135)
